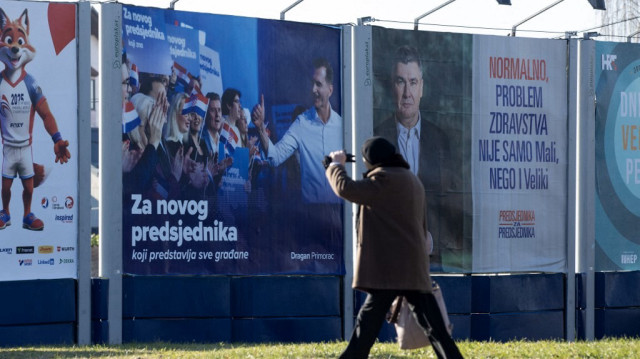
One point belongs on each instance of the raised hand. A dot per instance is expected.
(129, 157)
(257, 114)
(198, 178)
(157, 118)
(188, 165)
(177, 163)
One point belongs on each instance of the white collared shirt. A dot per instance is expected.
(312, 139)
(409, 144)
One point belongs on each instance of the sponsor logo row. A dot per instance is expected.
(46, 249)
(56, 203)
(28, 262)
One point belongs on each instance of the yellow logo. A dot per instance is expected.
(45, 249)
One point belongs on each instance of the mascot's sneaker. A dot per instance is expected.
(31, 222)
(5, 219)
(40, 174)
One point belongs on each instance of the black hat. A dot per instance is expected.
(377, 150)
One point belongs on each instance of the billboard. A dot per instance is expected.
(226, 121)
(482, 122)
(38, 118)
(617, 167)
(519, 154)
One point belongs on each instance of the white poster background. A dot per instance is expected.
(519, 158)
(55, 201)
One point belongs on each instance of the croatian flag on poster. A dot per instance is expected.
(134, 78)
(130, 118)
(182, 74)
(197, 103)
(229, 138)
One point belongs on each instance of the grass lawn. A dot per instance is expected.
(607, 348)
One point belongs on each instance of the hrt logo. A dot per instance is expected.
(609, 62)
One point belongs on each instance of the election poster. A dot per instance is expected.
(519, 154)
(482, 122)
(617, 165)
(226, 121)
(38, 121)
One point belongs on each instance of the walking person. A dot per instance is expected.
(391, 251)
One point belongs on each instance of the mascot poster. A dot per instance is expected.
(38, 122)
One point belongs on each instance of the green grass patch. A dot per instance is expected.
(607, 348)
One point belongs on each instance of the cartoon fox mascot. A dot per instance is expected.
(20, 99)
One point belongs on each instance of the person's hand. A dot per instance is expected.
(188, 165)
(157, 118)
(224, 164)
(254, 150)
(177, 163)
(174, 76)
(129, 157)
(257, 115)
(61, 151)
(338, 156)
(212, 166)
(198, 178)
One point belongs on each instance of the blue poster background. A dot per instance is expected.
(144, 37)
(617, 157)
(256, 221)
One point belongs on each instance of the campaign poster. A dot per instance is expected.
(423, 79)
(519, 154)
(38, 113)
(486, 138)
(617, 153)
(222, 153)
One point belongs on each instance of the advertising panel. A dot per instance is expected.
(487, 139)
(38, 119)
(226, 121)
(617, 211)
(519, 154)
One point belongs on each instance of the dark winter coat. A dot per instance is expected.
(391, 252)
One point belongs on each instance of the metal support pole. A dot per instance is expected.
(110, 222)
(572, 193)
(632, 35)
(289, 8)
(173, 4)
(585, 202)
(84, 174)
(513, 29)
(417, 20)
(360, 131)
(349, 124)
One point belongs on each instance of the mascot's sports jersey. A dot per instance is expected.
(17, 109)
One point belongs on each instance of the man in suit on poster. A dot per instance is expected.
(426, 148)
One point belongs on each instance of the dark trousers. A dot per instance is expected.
(372, 316)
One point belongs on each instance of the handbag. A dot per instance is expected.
(410, 334)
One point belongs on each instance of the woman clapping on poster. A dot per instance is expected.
(152, 174)
(177, 131)
(198, 153)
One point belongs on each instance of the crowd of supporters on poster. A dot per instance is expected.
(38, 122)
(226, 121)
